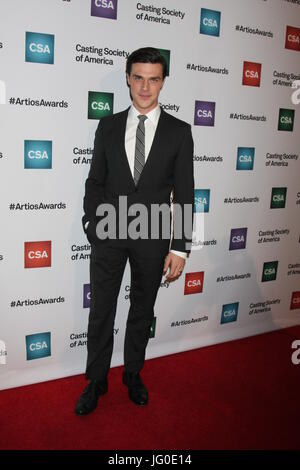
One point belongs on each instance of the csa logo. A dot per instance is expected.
(251, 74)
(286, 119)
(229, 312)
(292, 38)
(204, 113)
(278, 198)
(201, 200)
(105, 9)
(238, 238)
(37, 254)
(245, 158)
(39, 48)
(210, 22)
(100, 104)
(193, 283)
(38, 346)
(269, 271)
(38, 154)
(86, 295)
(295, 300)
(153, 328)
(166, 55)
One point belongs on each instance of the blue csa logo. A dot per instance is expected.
(210, 22)
(39, 48)
(38, 154)
(38, 345)
(245, 158)
(201, 200)
(229, 312)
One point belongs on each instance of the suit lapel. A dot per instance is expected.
(120, 144)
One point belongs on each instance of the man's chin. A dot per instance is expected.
(146, 105)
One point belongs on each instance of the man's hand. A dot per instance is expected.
(175, 264)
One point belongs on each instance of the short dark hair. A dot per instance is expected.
(146, 55)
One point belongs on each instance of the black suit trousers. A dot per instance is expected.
(107, 265)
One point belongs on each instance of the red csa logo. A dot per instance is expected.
(37, 254)
(295, 302)
(251, 74)
(292, 38)
(193, 283)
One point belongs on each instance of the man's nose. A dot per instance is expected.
(145, 85)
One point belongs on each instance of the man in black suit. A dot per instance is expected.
(140, 157)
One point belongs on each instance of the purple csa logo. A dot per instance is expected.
(105, 8)
(238, 237)
(204, 113)
(86, 296)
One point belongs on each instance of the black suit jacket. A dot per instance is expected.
(169, 167)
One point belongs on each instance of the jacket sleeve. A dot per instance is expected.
(183, 194)
(95, 183)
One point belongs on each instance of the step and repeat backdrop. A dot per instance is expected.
(234, 74)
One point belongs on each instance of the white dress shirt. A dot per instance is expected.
(130, 136)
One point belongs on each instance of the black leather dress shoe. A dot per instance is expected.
(137, 391)
(88, 401)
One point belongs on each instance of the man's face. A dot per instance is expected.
(145, 82)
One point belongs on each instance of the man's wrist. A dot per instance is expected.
(182, 254)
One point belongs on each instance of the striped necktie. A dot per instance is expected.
(139, 156)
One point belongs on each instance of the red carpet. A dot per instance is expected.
(242, 394)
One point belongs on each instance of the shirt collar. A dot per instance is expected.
(153, 115)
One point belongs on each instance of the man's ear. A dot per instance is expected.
(163, 82)
(127, 79)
